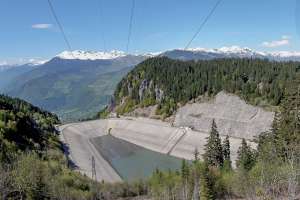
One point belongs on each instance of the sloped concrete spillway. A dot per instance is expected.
(161, 137)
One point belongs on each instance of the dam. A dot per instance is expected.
(143, 139)
(118, 143)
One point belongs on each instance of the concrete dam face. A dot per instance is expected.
(130, 138)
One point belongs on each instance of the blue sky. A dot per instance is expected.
(28, 29)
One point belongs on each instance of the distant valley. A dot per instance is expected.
(72, 88)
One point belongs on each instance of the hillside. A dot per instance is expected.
(24, 127)
(172, 83)
(72, 88)
(10, 73)
(32, 163)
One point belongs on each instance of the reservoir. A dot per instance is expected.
(133, 162)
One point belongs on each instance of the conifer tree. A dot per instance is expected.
(185, 172)
(213, 149)
(196, 175)
(226, 153)
(246, 157)
(206, 184)
(288, 124)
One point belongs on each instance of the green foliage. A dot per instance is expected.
(163, 185)
(226, 153)
(166, 108)
(128, 106)
(246, 157)
(213, 155)
(148, 102)
(226, 148)
(24, 127)
(287, 125)
(169, 82)
(206, 183)
(103, 113)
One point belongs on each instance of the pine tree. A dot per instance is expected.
(185, 173)
(226, 153)
(213, 149)
(246, 157)
(196, 175)
(206, 184)
(288, 124)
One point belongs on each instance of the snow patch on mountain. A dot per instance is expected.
(36, 62)
(91, 55)
(286, 54)
(5, 65)
(236, 51)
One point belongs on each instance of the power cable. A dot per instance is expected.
(130, 25)
(203, 23)
(60, 26)
(102, 30)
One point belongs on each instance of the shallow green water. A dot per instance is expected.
(131, 161)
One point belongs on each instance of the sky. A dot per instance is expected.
(28, 29)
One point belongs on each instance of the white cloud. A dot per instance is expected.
(21, 61)
(3, 63)
(41, 26)
(285, 40)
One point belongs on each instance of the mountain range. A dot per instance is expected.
(77, 84)
(230, 52)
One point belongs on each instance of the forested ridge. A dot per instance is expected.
(169, 82)
(24, 127)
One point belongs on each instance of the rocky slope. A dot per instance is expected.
(233, 116)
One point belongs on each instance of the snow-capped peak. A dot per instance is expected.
(246, 51)
(90, 55)
(234, 52)
(226, 50)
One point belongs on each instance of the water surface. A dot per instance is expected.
(133, 162)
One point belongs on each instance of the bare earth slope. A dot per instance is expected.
(233, 116)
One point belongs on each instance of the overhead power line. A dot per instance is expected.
(203, 23)
(102, 29)
(60, 26)
(130, 25)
